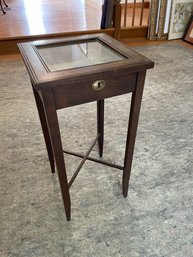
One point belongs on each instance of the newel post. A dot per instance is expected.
(117, 19)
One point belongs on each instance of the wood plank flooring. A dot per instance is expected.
(26, 18)
(39, 17)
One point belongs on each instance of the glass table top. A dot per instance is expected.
(67, 56)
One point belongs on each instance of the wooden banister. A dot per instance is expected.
(117, 19)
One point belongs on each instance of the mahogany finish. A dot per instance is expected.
(64, 88)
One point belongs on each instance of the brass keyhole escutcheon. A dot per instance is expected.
(98, 85)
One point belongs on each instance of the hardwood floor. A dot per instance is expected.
(39, 17)
(26, 18)
(142, 42)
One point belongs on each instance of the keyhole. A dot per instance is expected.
(98, 85)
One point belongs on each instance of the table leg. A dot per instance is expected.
(45, 129)
(100, 125)
(132, 130)
(53, 126)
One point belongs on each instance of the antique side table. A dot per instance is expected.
(71, 71)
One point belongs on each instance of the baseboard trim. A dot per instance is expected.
(134, 32)
(9, 45)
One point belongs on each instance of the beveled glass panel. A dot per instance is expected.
(67, 56)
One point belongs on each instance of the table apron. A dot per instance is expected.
(82, 92)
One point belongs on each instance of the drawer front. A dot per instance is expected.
(96, 87)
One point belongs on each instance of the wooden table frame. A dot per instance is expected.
(52, 92)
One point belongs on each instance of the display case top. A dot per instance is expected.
(76, 55)
(49, 61)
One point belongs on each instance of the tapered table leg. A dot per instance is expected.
(45, 129)
(132, 130)
(100, 125)
(53, 125)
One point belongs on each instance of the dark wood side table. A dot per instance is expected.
(71, 71)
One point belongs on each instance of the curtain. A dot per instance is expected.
(107, 14)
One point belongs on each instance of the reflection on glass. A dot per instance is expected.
(60, 57)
